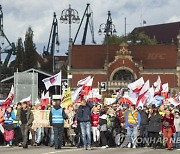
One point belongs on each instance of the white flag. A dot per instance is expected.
(27, 99)
(83, 81)
(137, 85)
(52, 81)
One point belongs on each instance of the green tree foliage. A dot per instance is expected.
(19, 61)
(140, 38)
(132, 38)
(30, 50)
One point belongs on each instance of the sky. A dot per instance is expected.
(18, 15)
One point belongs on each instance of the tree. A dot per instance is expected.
(30, 50)
(19, 61)
(132, 38)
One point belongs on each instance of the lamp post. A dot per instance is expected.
(69, 16)
(108, 29)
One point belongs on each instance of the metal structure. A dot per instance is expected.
(108, 29)
(10, 49)
(89, 22)
(69, 16)
(53, 40)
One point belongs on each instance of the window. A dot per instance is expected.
(123, 75)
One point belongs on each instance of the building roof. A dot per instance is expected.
(29, 70)
(163, 33)
(152, 56)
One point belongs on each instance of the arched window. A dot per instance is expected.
(123, 75)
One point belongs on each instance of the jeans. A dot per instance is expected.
(39, 134)
(86, 131)
(51, 137)
(132, 135)
(144, 134)
(176, 140)
(24, 131)
(58, 135)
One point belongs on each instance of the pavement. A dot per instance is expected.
(73, 150)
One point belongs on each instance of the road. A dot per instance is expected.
(70, 150)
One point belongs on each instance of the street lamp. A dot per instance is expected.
(108, 29)
(69, 16)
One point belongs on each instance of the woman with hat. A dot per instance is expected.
(168, 127)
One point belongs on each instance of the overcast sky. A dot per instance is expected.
(20, 14)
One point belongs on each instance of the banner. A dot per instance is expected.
(41, 118)
(67, 99)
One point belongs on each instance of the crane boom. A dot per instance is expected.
(88, 14)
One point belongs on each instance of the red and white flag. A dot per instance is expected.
(158, 86)
(87, 87)
(9, 99)
(83, 81)
(75, 95)
(148, 97)
(137, 85)
(143, 91)
(174, 101)
(45, 99)
(165, 90)
(52, 81)
(27, 99)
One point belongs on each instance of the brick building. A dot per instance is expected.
(126, 63)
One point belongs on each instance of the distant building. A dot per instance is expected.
(126, 63)
(163, 33)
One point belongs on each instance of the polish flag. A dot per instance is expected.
(165, 90)
(83, 81)
(52, 81)
(27, 99)
(45, 99)
(9, 99)
(148, 97)
(75, 95)
(174, 101)
(143, 91)
(158, 86)
(87, 87)
(137, 85)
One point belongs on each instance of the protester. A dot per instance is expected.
(154, 127)
(83, 116)
(144, 125)
(176, 136)
(17, 129)
(133, 120)
(39, 131)
(9, 116)
(103, 128)
(95, 125)
(56, 118)
(168, 128)
(26, 118)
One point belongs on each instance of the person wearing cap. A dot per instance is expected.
(56, 119)
(168, 127)
(132, 122)
(154, 126)
(83, 117)
(25, 117)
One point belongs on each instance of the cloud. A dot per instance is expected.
(20, 14)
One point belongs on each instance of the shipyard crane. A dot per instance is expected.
(53, 38)
(10, 49)
(89, 21)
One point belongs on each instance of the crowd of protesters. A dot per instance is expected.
(88, 124)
